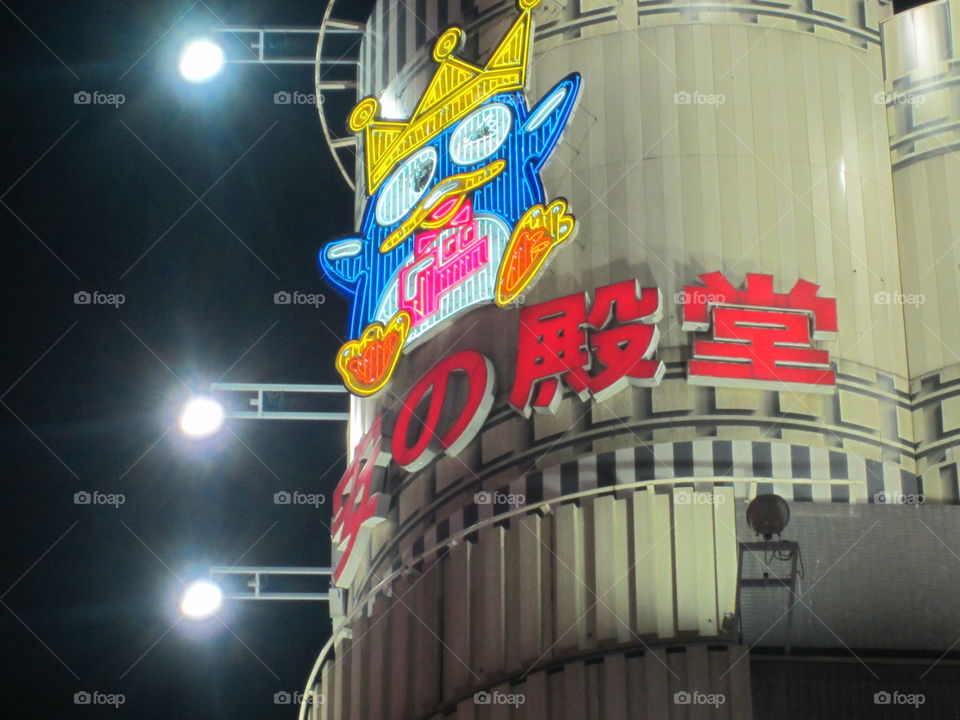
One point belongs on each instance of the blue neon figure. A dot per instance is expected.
(502, 128)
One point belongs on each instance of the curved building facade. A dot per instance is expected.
(541, 518)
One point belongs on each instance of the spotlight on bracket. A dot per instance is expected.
(768, 515)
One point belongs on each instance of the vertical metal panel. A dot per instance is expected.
(376, 681)
(575, 691)
(524, 562)
(612, 569)
(571, 625)
(456, 617)
(685, 551)
(424, 605)
(341, 681)
(489, 591)
(703, 539)
(359, 660)
(400, 650)
(725, 545)
(327, 689)
(613, 684)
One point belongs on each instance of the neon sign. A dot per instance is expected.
(457, 215)
(760, 338)
(597, 350)
(458, 392)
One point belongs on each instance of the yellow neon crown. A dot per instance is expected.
(457, 88)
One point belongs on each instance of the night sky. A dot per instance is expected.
(102, 198)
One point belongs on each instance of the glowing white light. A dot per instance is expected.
(201, 61)
(201, 417)
(201, 599)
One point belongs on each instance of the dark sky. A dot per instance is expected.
(90, 393)
(97, 198)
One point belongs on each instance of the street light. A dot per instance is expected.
(201, 417)
(201, 600)
(201, 60)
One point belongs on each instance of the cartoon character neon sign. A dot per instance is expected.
(457, 215)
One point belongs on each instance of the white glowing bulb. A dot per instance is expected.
(201, 600)
(201, 417)
(201, 60)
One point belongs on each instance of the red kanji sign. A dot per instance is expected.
(359, 504)
(760, 338)
(597, 350)
(442, 428)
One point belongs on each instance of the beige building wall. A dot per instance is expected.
(743, 137)
(921, 50)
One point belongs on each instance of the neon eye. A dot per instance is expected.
(406, 186)
(481, 134)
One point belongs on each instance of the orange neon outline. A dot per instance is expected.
(375, 332)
